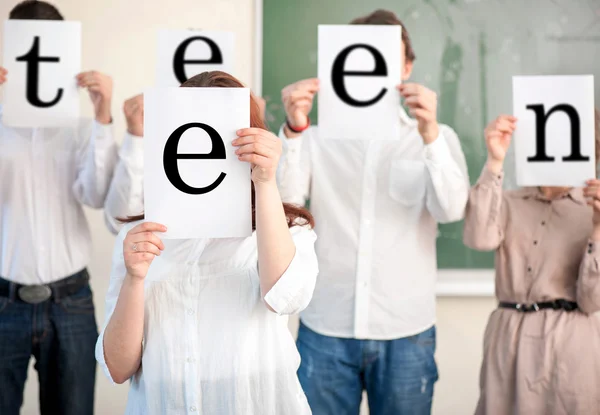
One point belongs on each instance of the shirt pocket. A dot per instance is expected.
(407, 182)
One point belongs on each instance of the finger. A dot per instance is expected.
(136, 257)
(255, 148)
(95, 88)
(146, 236)
(593, 182)
(260, 161)
(256, 132)
(300, 94)
(148, 227)
(509, 118)
(3, 71)
(238, 142)
(417, 101)
(145, 247)
(410, 89)
(505, 126)
(420, 113)
(311, 84)
(494, 134)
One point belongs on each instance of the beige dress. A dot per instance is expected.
(545, 362)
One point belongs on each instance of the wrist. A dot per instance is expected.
(103, 117)
(265, 185)
(495, 166)
(136, 132)
(134, 280)
(431, 134)
(596, 232)
(289, 133)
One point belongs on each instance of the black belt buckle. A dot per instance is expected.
(524, 308)
(34, 294)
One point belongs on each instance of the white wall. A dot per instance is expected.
(119, 38)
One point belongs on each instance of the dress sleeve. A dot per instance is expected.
(588, 284)
(484, 219)
(293, 291)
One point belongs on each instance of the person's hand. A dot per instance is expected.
(260, 148)
(140, 247)
(298, 101)
(498, 135)
(422, 104)
(99, 87)
(3, 73)
(134, 114)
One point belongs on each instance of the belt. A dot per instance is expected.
(554, 305)
(35, 294)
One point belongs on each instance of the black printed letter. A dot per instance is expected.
(179, 59)
(541, 118)
(338, 73)
(170, 157)
(33, 60)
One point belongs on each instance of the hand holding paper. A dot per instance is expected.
(298, 102)
(423, 106)
(262, 149)
(498, 135)
(134, 114)
(140, 246)
(99, 87)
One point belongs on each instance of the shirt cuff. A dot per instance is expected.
(102, 134)
(100, 357)
(490, 179)
(132, 151)
(293, 291)
(438, 151)
(291, 146)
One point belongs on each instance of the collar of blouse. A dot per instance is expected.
(575, 194)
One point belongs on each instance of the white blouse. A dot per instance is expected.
(210, 344)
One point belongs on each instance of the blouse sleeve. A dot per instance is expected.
(294, 290)
(117, 276)
(484, 224)
(588, 285)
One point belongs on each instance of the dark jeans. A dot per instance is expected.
(61, 334)
(398, 375)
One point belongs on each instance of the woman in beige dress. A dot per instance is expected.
(542, 343)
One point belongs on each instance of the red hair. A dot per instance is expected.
(295, 215)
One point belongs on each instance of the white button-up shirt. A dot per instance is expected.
(376, 205)
(210, 344)
(46, 176)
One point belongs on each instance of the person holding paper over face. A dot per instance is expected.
(541, 343)
(377, 204)
(47, 176)
(126, 194)
(196, 324)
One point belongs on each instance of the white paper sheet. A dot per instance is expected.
(551, 91)
(170, 41)
(221, 213)
(45, 107)
(343, 119)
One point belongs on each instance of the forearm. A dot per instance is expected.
(276, 247)
(124, 332)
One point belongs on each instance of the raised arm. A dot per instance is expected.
(484, 220)
(294, 171)
(286, 263)
(119, 346)
(97, 150)
(126, 194)
(588, 283)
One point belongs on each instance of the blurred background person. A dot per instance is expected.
(47, 175)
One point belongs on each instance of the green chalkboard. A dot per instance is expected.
(467, 51)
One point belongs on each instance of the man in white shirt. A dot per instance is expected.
(47, 175)
(376, 203)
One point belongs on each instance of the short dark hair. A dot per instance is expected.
(386, 17)
(35, 10)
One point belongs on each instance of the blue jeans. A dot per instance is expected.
(398, 375)
(61, 334)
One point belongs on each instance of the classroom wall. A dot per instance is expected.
(119, 38)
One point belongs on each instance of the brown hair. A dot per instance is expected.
(386, 17)
(295, 215)
(35, 10)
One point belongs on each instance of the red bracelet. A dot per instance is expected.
(297, 130)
